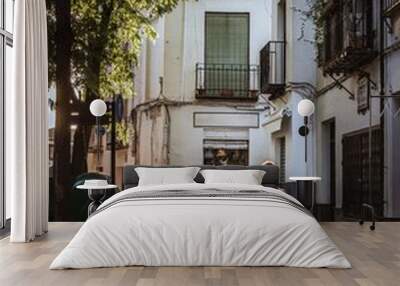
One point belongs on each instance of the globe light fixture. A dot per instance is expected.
(98, 108)
(305, 108)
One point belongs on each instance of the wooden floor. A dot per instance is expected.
(375, 257)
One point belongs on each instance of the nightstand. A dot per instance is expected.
(97, 191)
(305, 192)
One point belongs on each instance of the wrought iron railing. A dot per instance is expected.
(232, 81)
(389, 5)
(273, 66)
(349, 35)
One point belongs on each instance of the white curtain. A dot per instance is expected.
(26, 124)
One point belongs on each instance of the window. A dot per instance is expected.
(226, 152)
(227, 70)
(227, 38)
(6, 65)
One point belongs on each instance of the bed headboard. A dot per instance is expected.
(270, 179)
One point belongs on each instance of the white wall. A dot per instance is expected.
(140, 76)
(301, 53)
(173, 56)
(392, 121)
(393, 71)
(301, 68)
(274, 132)
(260, 32)
(155, 61)
(300, 50)
(296, 165)
(392, 159)
(186, 143)
(336, 104)
(180, 45)
(258, 149)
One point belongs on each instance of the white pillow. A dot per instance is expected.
(166, 176)
(248, 177)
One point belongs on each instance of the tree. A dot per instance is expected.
(93, 48)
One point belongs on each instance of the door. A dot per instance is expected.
(356, 172)
(332, 163)
(327, 168)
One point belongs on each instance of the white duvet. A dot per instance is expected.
(200, 231)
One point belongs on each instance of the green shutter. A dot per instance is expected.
(227, 38)
(227, 54)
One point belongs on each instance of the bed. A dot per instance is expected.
(201, 224)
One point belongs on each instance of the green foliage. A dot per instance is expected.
(107, 36)
(122, 132)
(51, 31)
(317, 9)
(315, 12)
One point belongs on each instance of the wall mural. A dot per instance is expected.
(192, 83)
(112, 50)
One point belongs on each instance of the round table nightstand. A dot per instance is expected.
(96, 194)
(306, 191)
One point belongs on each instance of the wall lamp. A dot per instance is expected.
(305, 108)
(98, 108)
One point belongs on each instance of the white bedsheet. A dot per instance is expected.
(206, 231)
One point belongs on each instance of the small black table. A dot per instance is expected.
(306, 191)
(96, 194)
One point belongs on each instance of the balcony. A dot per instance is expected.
(391, 6)
(349, 40)
(273, 68)
(227, 81)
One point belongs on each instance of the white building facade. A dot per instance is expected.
(198, 84)
(292, 77)
(360, 56)
(221, 84)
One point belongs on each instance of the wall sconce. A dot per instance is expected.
(98, 108)
(305, 108)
